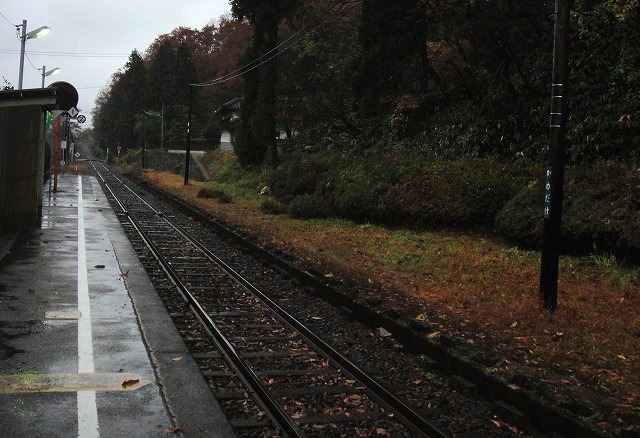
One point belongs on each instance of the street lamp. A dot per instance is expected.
(38, 33)
(52, 72)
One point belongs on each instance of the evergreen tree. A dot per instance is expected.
(387, 43)
(185, 68)
(258, 130)
(248, 147)
(162, 76)
(135, 83)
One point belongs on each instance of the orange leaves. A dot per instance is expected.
(130, 383)
(433, 335)
(499, 425)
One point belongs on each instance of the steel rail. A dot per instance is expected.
(406, 415)
(262, 395)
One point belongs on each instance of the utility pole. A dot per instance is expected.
(162, 128)
(554, 181)
(144, 137)
(187, 158)
(23, 41)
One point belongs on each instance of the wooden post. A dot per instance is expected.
(555, 164)
(188, 151)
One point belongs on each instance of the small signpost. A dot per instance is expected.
(73, 112)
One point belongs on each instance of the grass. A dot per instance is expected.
(480, 290)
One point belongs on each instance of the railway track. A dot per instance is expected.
(271, 372)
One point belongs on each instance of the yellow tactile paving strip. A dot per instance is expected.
(62, 314)
(99, 382)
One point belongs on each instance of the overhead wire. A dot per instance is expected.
(29, 59)
(249, 66)
(268, 56)
(70, 54)
(6, 19)
(175, 101)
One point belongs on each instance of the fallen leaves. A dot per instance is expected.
(500, 285)
(129, 383)
(99, 266)
(499, 425)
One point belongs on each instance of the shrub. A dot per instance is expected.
(210, 193)
(302, 174)
(273, 206)
(309, 207)
(520, 221)
(601, 208)
(465, 193)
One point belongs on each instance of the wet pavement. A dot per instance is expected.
(86, 346)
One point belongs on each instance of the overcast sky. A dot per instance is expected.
(91, 39)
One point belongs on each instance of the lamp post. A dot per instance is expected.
(52, 72)
(24, 36)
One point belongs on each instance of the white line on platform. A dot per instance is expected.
(87, 410)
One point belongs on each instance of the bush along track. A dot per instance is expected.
(522, 395)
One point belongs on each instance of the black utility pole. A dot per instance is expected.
(144, 138)
(555, 164)
(188, 154)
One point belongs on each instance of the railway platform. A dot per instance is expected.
(86, 347)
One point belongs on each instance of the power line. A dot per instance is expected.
(249, 66)
(29, 59)
(175, 102)
(6, 19)
(70, 54)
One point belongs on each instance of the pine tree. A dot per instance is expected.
(257, 133)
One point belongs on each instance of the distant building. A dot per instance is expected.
(228, 115)
(198, 145)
